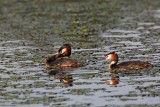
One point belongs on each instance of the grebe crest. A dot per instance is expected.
(129, 65)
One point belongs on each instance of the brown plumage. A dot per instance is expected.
(61, 63)
(132, 65)
(129, 65)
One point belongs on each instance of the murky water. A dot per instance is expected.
(29, 31)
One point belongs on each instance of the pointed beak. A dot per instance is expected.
(106, 56)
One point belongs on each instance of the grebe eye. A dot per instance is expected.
(106, 56)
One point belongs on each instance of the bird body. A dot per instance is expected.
(128, 65)
(59, 60)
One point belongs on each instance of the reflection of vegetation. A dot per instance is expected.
(79, 91)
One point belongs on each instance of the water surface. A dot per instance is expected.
(31, 30)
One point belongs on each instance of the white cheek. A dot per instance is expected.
(108, 57)
(63, 50)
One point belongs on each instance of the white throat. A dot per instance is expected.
(112, 64)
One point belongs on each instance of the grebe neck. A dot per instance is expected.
(112, 64)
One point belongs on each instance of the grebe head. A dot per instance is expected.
(113, 57)
(65, 50)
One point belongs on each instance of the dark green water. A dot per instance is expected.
(31, 30)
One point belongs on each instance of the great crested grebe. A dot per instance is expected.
(129, 65)
(59, 60)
